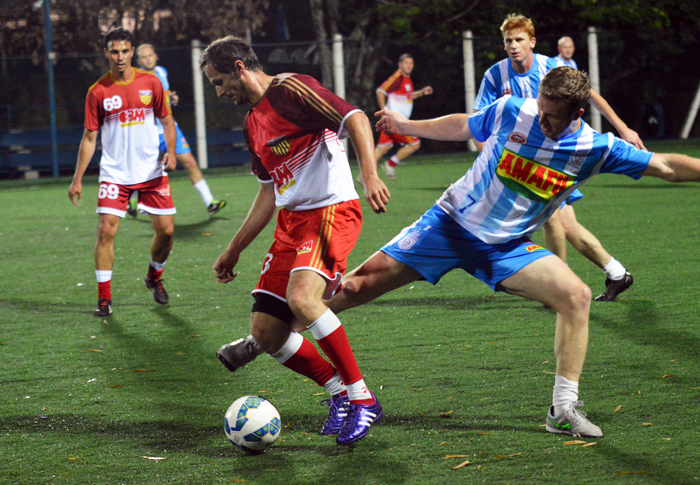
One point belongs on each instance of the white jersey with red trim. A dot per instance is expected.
(399, 92)
(125, 113)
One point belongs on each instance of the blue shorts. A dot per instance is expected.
(181, 145)
(436, 244)
(575, 195)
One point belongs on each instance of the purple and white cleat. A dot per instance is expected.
(340, 405)
(359, 421)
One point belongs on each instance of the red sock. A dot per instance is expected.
(104, 290)
(337, 347)
(153, 274)
(308, 362)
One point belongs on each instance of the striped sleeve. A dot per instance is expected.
(391, 84)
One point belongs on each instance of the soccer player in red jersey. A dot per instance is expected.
(122, 104)
(397, 94)
(293, 130)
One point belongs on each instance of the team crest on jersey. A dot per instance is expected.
(517, 138)
(306, 247)
(506, 91)
(407, 242)
(280, 145)
(146, 96)
(530, 179)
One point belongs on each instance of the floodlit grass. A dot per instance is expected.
(459, 369)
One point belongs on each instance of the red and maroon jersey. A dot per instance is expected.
(126, 112)
(399, 92)
(293, 133)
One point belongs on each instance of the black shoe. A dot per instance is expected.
(615, 287)
(216, 206)
(104, 308)
(131, 208)
(159, 293)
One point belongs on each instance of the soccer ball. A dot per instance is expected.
(252, 424)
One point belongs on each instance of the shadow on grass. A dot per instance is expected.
(644, 327)
(491, 302)
(33, 306)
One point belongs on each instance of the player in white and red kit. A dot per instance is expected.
(293, 130)
(397, 94)
(123, 105)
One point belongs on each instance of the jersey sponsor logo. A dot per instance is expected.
(146, 96)
(283, 177)
(280, 146)
(306, 247)
(134, 116)
(533, 247)
(530, 179)
(516, 137)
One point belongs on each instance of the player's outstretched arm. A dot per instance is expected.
(170, 136)
(360, 131)
(426, 91)
(673, 167)
(85, 153)
(447, 128)
(260, 214)
(630, 136)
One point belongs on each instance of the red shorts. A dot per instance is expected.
(318, 240)
(393, 139)
(154, 197)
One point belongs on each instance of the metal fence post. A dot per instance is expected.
(469, 77)
(199, 108)
(596, 121)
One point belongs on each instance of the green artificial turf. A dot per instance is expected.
(459, 369)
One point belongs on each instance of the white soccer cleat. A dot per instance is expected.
(389, 171)
(239, 352)
(572, 422)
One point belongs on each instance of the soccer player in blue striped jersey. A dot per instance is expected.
(520, 75)
(537, 152)
(566, 49)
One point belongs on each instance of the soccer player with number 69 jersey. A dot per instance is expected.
(123, 105)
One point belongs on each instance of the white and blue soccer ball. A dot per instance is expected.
(252, 424)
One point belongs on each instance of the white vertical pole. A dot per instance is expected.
(339, 72)
(596, 121)
(199, 114)
(691, 115)
(469, 81)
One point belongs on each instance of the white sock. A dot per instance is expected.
(334, 385)
(158, 266)
(204, 192)
(290, 347)
(394, 160)
(103, 275)
(358, 391)
(325, 325)
(565, 393)
(614, 270)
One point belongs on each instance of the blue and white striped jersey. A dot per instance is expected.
(501, 80)
(571, 62)
(521, 177)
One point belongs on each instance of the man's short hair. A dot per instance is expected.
(564, 39)
(120, 33)
(144, 46)
(567, 84)
(518, 22)
(405, 56)
(223, 53)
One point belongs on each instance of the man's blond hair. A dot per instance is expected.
(565, 39)
(518, 22)
(568, 85)
(144, 46)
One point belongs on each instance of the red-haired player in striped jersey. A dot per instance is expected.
(293, 130)
(397, 94)
(123, 105)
